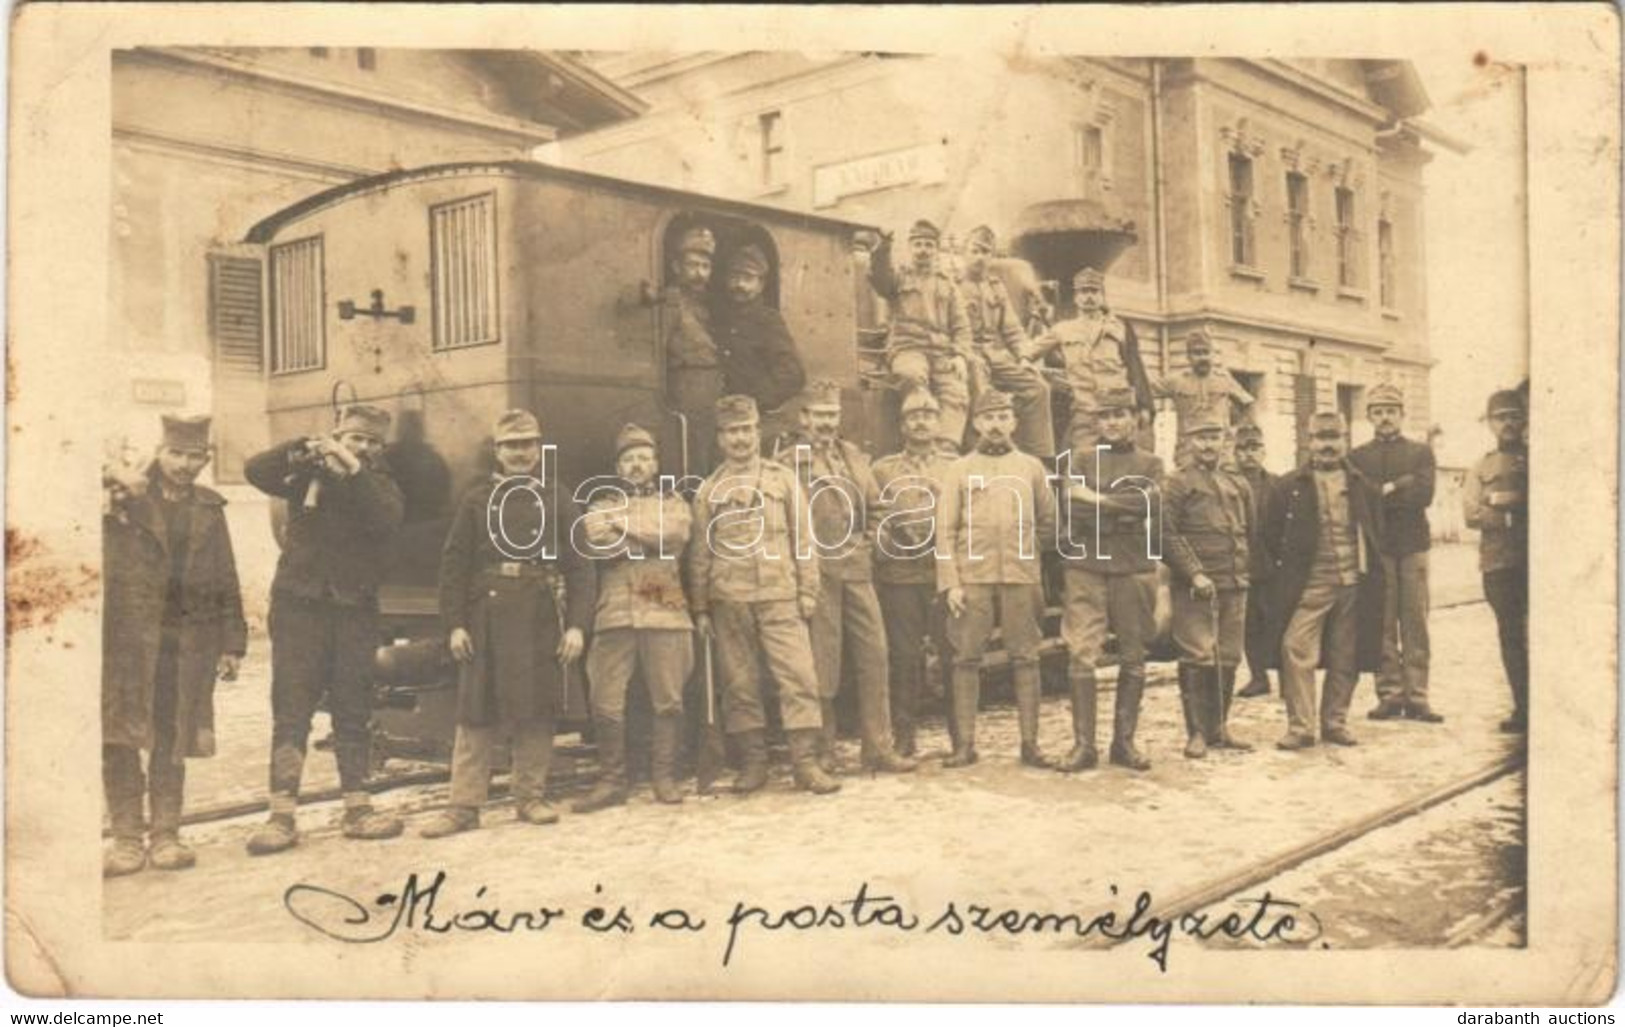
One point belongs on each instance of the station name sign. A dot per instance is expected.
(926, 164)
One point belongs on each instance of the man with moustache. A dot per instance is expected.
(757, 355)
(845, 501)
(172, 624)
(1496, 501)
(753, 590)
(1209, 513)
(1325, 534)
(517, 616)
(693, 365)
(636, 533)
(1000, 342)
(344, 510)
(929, 344)
(996, 516)
(910, 484)
(1201, 390)
(1112, 540)
(1250, 462)
(1403, 470)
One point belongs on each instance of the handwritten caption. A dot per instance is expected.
(425, 903)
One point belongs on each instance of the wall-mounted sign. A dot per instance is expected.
(916, 165)
(159, 391)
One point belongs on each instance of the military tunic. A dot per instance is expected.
(1000, 345)
(1495, 498)
(1110, 550)
(1194, 395)
(694, 378)
(1211, 525)
(929, 343)
(910, 487)
(1092, 352)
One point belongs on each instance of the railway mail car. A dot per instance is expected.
(448, 294)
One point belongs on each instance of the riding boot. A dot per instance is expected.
(668, 735)
(967, 689)
(752, 775)
(809, 776)
(827, 753)
(1027, 700)
(611, 788)
(1126, 717)
(1227, 696)
(1083, 755)
(710, 757)
(1190, 705)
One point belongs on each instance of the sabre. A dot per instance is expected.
(710, 687)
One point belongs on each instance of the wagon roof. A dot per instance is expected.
(268, 226)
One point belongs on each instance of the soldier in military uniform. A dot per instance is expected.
(996, 516)
(910, 484)
(1495, 497)
(929, 344)
(1403, 470)
(1209, 514)
(1325, 533)
(1000, 344)
(344, 511)
(757, 353)
(172, 623)
(845, 502)
(1250, 462)
(1200, 390)
(1109, 550)
(693, 366)
(753, 590)
(517, 616)
(636, 535)
(1099, 353)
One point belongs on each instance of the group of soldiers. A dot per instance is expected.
(930, 548)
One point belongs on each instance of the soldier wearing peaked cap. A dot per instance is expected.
(517, 604)
(172, 623)
(1000, 343)
(636, 534)
(343, 512)
(1250, 464)
(693, 365)
(1496, 500)
(757, 354)
(929, 344)
(1403, 470)
(752, 590)
(1203, 389)
(1324, 534)
(1208, 511)
(1111, 539)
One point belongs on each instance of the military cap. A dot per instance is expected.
(822, 394)
(1249, 434)
(991, 401)
(365, 419)
(1199, 338)
(631, 436)
(982, 235)
(923, 229)
(516, 426)
(1116, 399)
(1088, 276)
(732, 410)
(698, 240)
(1201, 421)
(919, 399)
(749, 258)
(1505, 401)
(1326, 424)
(188, 434)
(1384, 395)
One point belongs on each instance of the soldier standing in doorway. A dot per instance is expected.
(757, 353)
(517, 619)
(1210, 530)
(753, 590)
(1250, 462)
(1496, 500)
(1403, 470)
(693, 367)
(171, 625)
(929, 344)
(1114, 514)
(343, 511)
(997, 515)
(1201, 390)
(1000, 344)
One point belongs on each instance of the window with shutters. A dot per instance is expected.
(1297, 216)
(236, 314)
(298, 288)
(463, 260)
(1348, 240)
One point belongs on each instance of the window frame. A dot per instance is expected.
(495, 293)
(274, 307)
(1300, 249)
(1387, 265)
(1348, 236)
(771, 150)
(1242, 230)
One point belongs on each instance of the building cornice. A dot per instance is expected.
(237, 155)
(527, 133)
(1296, 329)
(1296, 76)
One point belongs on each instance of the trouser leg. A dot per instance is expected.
(532, 751)
(865, 643)
(825, 633)
(1300, 655)
(1413, 626)
(736, 651)
(1030, 396)
(1391, 672)
(1506, 591)
(906, 619)
(1341, 659)
(1257, 628)
(788, 655)
(610, 664)
(301, 657)
(471, 765)
(970, 631)
(166, 769)
(950, 379)
(123, 786)
(350, 694)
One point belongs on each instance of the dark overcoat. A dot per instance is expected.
(757, 354)
(511, 609)
(136, 570)
(1290, 538)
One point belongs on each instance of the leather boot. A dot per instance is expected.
(1083, 755)
(810, 777)
(1126, 717)
(1227, 697)
(165, 849)
(1190, 705)
(668, 735)
(828, 737)
(1259, 685)
(1027, 700)
(710, 757)
(610, 788)
(752, 776)
(126, 855)
(967, 689)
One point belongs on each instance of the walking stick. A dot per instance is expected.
(710, 688)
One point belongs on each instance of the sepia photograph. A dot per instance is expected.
(822, 518)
